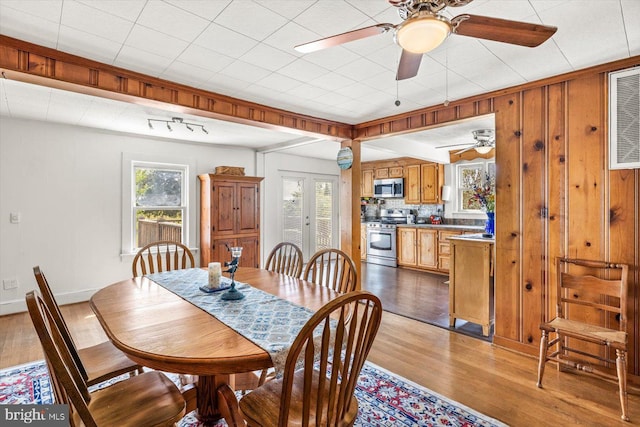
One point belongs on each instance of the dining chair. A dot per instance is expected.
(96, 363)
(163, 255)
(321, 371)
(332, 268)
(590, 323)
(285, 258)
(146, 399)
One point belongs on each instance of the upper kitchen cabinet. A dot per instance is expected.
(229, 213)
(367, 183)
(423, 183)
(390, 172)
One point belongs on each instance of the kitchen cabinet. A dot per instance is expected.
(471, 291)
(423, 183)
(367, 183)
(417, 248)
(229, 214)
(382, 173)
(444, 248)
(396, 172)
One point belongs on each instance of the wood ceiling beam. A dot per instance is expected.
(31, 63)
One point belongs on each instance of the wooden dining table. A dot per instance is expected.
(158, 329)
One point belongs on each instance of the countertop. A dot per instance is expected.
(474, 237)
(445, 226)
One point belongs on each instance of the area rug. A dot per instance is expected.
(385, 398)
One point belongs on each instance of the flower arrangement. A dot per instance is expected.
(484, 195)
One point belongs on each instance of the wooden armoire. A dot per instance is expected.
(229, 216)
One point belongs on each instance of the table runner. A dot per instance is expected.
(268, 321)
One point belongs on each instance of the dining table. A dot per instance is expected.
(159, 329)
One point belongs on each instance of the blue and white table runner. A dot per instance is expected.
(268, 321)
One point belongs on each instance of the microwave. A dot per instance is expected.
(393, 187)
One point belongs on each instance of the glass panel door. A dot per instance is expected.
(310, 212)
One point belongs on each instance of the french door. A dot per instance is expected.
(309, 211)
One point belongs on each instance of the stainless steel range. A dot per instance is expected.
(381, 237)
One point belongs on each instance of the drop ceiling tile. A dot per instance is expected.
(141, 61)
(94, 21)
(332, 82)
(288, 36)
(325, 19)
(333, 98)
(226, 41)
(225, 84)
(303, 70)
(331, 58)
(631, 14)
(279, 82)
(287, 8)
(127, 9)
(207, 9)
(306, 91)
(172, 20)
(77, 42)
(387, 56)
(186, 74)
(531, 63)
(204, 58)
(360, 67)
(20, 25)
(155, 42)
(244, 71)
(587, 38)
(50, 10)
(377, 9)
(250, 19)
(503, 9)
(268, 57)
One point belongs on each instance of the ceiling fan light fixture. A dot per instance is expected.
(422, 32)
(483, 149)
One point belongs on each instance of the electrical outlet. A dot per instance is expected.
(14, 217)
(9, 283)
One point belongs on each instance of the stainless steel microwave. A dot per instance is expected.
(389, 188)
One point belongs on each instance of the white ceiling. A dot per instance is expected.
(244, 49)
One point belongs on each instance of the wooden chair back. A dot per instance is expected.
(332, 268)
(56, 314)
(285, 258)
(322, 367)
(69, 386)
(589, 332)
(162, 256)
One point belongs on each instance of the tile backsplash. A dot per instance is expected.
(422, 211)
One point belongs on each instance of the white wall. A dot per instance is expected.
(66, 183)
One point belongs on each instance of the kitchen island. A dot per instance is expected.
(471, 280)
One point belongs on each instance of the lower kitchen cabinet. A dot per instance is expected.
(444, 248)
(417, 248)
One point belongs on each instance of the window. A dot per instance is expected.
(156, 195)
(159, 204)
(467, 176)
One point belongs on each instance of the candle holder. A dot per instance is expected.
(233, 293)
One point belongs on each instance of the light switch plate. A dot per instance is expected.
(14, 217)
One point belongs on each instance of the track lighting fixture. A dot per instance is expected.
(179, 121)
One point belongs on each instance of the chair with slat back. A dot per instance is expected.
(96, 363)
(162, 256)
(285, 258)
(321, 371)
(332, 268)
(590, 323)
(146, 399)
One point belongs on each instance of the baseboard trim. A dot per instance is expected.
(19, 305)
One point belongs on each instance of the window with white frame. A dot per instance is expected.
(469, 176)
(156, 204)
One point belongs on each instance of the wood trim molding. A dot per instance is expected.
(27, 62)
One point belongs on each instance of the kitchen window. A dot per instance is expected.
(467, 176)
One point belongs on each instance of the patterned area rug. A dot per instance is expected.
(385, 399)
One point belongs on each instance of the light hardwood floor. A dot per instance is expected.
(494, 381)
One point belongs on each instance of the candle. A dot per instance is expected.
(215, 272)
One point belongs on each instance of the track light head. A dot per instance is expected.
(189, 127)
(150, 125)
(169, 127)
(204, 130)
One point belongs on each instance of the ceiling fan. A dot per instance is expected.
(424, 28)
(485, 142)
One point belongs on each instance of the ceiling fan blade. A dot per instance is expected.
(409, 65)
(502, 30)
(343, 38)
(456, 145)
